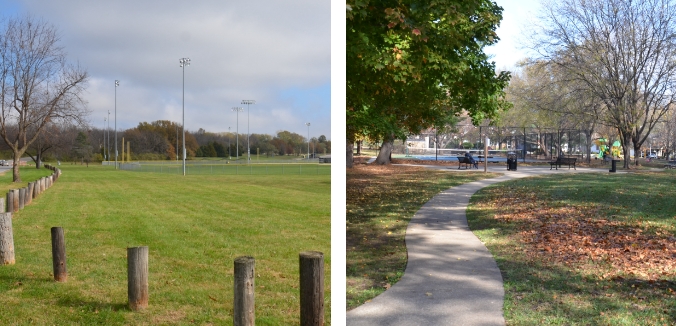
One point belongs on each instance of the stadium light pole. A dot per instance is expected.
(104, 138)
(117, 83)
(184, 62)
(108, 133)
(177, 142)
(229, 154)
(248, 149)
(308, 140)
(238, 110)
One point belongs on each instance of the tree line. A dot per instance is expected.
(158, 140)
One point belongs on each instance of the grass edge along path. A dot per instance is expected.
(194, 227)
(381, 200)
(582, 249)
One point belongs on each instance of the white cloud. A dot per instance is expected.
(263, 50)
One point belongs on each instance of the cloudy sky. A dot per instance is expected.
(517, 17)
(277, 53)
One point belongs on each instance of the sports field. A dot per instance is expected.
(194, 226)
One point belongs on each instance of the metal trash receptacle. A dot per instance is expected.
(511, 162)
(613, 166)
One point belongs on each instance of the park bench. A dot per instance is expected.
(670, 165)
(570, 161)
(465, 160)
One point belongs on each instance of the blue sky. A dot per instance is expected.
(277, 53)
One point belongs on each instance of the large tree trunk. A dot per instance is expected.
(588, 135)
(15, 169)
(386, 151)
(626, 152)
(349, 153)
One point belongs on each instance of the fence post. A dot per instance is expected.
(22, 197)
(9, 201)
(15, 200)
(2, 205)
(137, 277)
(244, 307)
(6, 239)
(311, 288)
(29, 193)
(59, 254)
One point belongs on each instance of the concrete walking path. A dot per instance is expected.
(451, 278)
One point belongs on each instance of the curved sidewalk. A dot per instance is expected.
(451, 278)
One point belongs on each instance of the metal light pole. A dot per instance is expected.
(176, 142)
(108, 132)
(104, 138)
(184, 62)
(238, 110)
(308, 140)
(248, 150)
(229, 154)
(117, 83)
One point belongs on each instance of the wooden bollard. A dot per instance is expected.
(59, 254)
(2, 205)
(22, 198)
(36, 188)
(10, 200)
(42, 185)
(29, 193)
(15, 200)
(137, 277)
(244, 305)
(311, 288)
(6, 239)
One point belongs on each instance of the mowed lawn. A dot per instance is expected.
(194, 226)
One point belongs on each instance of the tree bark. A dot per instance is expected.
(386, 151)
(349, 154)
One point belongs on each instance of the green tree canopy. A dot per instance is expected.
(411, 63)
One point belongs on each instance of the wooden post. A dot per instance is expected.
(10, 200)
(59, 254)
(29, 193)
(128, 151)
(36, 188)
(6, 239)
(2, 205)
(122, 150)
(15, 200)
(22, 198)
(311, 288)
(244, 308)
(137, 277)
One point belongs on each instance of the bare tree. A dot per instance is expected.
(622, 51)
(37, 85)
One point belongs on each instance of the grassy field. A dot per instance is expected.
(220, 167)
(195, 226)
(583, 249)
(381, 200)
